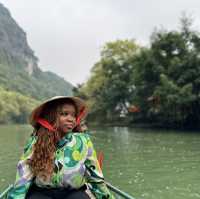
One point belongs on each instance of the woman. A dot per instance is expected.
(59, 160)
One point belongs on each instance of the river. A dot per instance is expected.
(146, 163)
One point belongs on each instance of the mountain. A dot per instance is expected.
(19, 71)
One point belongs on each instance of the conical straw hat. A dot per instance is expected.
(79, 103)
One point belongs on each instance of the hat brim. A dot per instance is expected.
(79, 103)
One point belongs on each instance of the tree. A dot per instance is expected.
(110, 88)
(15, 107)
(168, 73)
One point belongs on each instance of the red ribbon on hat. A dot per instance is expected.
(45, 124)
(78, 119)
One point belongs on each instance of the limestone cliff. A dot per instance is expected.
(19, 69)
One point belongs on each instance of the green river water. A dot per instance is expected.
(147, 164)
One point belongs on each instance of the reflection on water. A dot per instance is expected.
(148, 164)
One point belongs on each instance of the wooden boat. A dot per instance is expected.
(119, 194)
(116, 192)
(5, 192)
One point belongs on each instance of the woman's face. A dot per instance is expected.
(67, 118)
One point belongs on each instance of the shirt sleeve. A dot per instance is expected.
(94, 175)
(24, 175)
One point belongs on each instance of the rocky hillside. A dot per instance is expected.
(19, 69)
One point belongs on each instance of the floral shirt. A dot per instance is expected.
(75, 165)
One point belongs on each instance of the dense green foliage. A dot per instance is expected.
(110, 88)
(15, 107)
(163, 80)
(167, 77)
(40, 85)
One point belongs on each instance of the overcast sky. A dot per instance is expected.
(67, 35)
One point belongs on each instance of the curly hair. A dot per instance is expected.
(42, 161)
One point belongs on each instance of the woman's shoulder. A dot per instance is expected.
(84, 136)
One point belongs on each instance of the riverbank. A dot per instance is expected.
(145, 126)
(93, 124)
